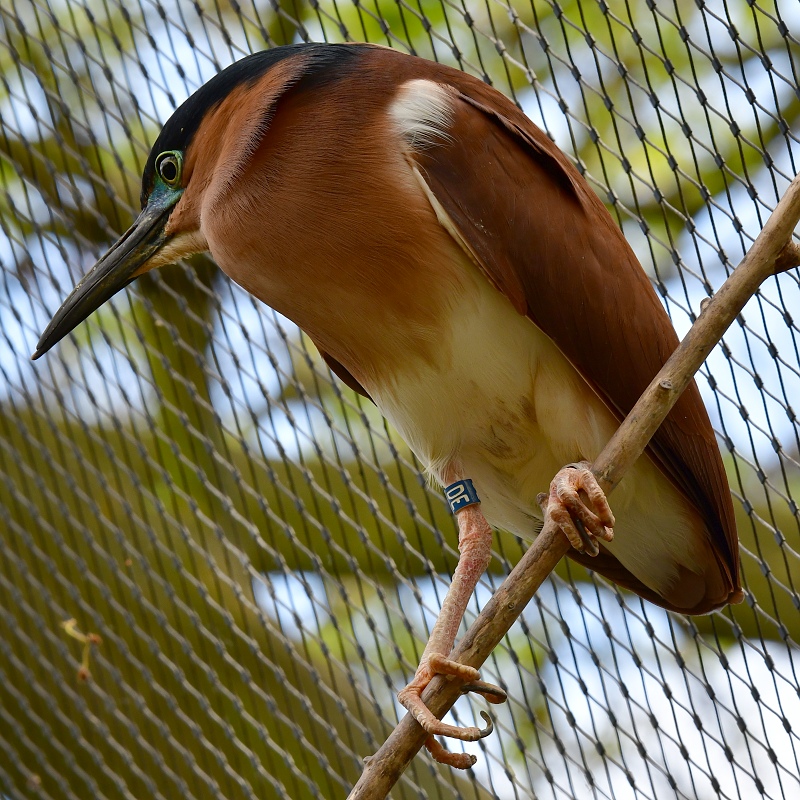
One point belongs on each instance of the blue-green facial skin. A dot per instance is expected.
(154, 187)
(163, 197)
(118, 267)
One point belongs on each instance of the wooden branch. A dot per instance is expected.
(772, 252)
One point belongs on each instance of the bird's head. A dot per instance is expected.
(148, 243)
(198, 159)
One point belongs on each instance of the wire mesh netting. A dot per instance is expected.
(257, 550)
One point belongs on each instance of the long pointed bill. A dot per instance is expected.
(115, 270)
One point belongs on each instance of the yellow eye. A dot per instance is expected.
(168, 167)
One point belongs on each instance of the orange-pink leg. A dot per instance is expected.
(579, 506)
(474, 544)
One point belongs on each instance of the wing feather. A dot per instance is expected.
(343, 374)
(545, 240)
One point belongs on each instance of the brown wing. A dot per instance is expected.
(547, 242)
(343, 374)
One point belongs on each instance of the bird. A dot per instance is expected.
(452, 265)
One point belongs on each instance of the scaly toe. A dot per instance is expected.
(411, 697)
(455, 760)
(579, 507)
(441, 665)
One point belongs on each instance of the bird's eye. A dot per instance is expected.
(168, 167)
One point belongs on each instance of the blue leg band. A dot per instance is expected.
(461, 494)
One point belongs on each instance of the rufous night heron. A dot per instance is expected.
(450, 264)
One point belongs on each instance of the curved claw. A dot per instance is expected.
(411, 698)
(492, 693)
(590, 546)
(489, 725)
(436, 727)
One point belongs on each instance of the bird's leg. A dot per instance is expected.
(578, 506)
(474, 544)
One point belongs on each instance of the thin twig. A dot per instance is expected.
(772, 252)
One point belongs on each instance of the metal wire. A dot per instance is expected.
(257, 551)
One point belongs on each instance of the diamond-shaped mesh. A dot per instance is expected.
(259, 553)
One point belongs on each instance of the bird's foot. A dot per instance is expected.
(411, 698)
(579, 507)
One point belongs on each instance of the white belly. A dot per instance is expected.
(504, 403)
